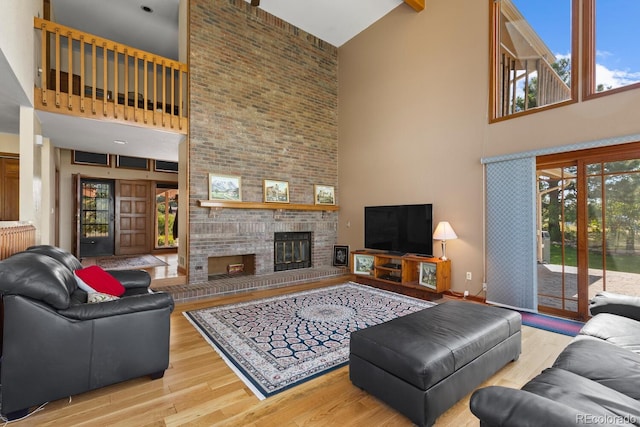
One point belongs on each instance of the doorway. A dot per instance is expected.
(166, 214)
(114, 217)
(9, 188)
(97, 236)
(588, 227)
(557, 240)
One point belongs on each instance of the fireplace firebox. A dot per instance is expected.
(291, 250)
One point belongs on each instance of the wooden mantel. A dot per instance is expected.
(220, 204)
(417, 5)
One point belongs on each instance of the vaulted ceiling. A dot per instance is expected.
(152, 25)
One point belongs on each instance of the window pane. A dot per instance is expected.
(557, 242)
(534, 55)
(617, 59)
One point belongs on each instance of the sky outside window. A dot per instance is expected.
(617, 33)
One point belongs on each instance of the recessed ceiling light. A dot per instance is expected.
(119, 141)
(146, 9)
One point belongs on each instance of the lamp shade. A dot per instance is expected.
(444, 231)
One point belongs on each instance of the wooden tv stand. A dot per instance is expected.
(401, 273)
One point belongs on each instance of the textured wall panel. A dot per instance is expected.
(511, 228)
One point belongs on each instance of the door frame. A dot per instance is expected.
(582, 158)
(77, 180)
(111, 238)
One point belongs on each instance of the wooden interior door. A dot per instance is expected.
(9, 189)
(133, 217)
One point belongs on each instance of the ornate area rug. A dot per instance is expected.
(129, 262)
(275, 343)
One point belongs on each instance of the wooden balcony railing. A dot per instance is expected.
(15, 237)
(517, 81)
(89, 76)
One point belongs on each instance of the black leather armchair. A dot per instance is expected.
(55, 344)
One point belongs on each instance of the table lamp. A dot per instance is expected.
(444, 232)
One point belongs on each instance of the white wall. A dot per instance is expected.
(9, 143)
(17, 39)
(31, 189)
(48, 155)
(413, 124)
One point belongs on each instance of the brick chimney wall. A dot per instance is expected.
(264, 101)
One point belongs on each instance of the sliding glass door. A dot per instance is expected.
(557, 240)
(588, 227)
(613, 224)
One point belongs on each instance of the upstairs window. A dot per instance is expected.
(611, 49)
(532, 55)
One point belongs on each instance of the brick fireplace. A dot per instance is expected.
(231, 234)
(260, 114)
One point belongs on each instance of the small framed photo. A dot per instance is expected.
(324, 195)
(428, 275)
(362, 264)
(225, 187)
(276, 191)
(340, 256)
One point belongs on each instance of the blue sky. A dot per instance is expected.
(617, 33)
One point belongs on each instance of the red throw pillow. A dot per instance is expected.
(101, 281)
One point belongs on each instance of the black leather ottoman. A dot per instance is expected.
(423, 363)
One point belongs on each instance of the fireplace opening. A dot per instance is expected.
(292, 250)
(222, 267)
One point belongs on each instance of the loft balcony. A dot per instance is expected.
(86, 76)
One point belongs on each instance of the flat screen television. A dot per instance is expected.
(399, 229)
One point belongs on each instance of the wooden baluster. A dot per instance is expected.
(146, 84)
(70, 70)
(125, 95)
(116, 81)
(94, 74)
(135, 87)
(164, 92)
(44, 38)
(105, 79)
(526, 84)
(503, 78)
(155, 89)
(82, 79)
(173, 93)
(514, 83)
(57, 67)
(180, 98)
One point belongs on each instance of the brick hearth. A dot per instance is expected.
(233, 285)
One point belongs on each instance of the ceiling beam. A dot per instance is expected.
(417, 5)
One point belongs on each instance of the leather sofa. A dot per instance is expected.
(56, 344)
(595, 380)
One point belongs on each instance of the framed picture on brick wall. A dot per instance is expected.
(276, 191)
(324, 195)
(225, 187)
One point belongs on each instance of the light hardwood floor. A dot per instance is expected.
(199, 389)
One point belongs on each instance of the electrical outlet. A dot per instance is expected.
(466, 294)
(468, 275)
(484, 287)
